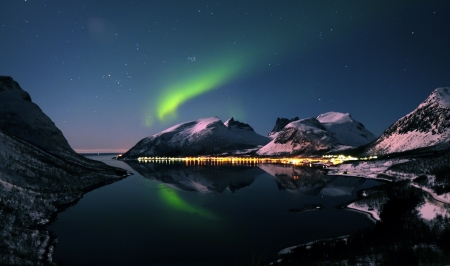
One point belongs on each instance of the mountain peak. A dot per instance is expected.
(346, 129)
(9, 84)
(237, 124)
(440, 96)
(280, 124)
(229, 121)
(334, 117)
(22, 118)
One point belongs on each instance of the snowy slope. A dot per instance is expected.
(303, 137)
(199, 137)
(428, 125)
(345, 129)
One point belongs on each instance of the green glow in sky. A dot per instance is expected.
(172, 199)
(215, 68)
(208, 78)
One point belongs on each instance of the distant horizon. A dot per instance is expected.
(93, 151)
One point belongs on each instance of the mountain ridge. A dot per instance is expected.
(298, 137)
(426, 126)
(204, 136)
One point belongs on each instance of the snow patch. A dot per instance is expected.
(444, 96)
(430, 210)
(370, 169)
(375, 214)
(334, 117)
(345, 129)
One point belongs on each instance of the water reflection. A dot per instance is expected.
(218, 178)
(303, 180)
(198, 178)
(172, 199)
(311, 181)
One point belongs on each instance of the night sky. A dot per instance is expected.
(110, 73)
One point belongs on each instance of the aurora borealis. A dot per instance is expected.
(175, 94)
(109, 73)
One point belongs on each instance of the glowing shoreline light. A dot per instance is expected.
(326, 160)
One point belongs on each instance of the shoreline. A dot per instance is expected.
(62, 207)
(371, 215)
(345, 206)
(289, 249)
(53, 238)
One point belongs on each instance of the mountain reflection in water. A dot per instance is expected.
(218, 178)
(311, 181)
(199, 178)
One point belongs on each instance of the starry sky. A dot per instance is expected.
(111, 72)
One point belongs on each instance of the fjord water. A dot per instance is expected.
(173, 214)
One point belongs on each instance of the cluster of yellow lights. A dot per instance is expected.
(338, 159)
(325, 160)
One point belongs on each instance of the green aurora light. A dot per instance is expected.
(172, 199)
(264, 45)
(181, 91)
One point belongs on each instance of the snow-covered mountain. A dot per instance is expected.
(345, 129)
(302, 137)
(428, 125)
(199, 137)
(331, 131)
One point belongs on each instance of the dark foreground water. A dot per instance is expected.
(173, 214)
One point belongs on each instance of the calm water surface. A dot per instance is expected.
(204, 215)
